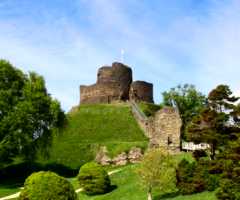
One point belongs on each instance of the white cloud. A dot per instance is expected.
(198, 49)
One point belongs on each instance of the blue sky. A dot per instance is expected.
(166, 42)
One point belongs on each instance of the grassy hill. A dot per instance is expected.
(128, 187)
(92, 126)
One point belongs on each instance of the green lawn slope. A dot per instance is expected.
(128, 187)
(92, 126)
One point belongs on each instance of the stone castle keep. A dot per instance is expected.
(114, 83)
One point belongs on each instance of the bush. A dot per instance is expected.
(94, 179)
(197, 154)
(47, 186)
(230, 186)
(195, 177)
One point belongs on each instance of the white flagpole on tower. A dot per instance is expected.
(122, 55)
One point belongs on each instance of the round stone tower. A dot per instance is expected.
(141, 91)
(118, 75)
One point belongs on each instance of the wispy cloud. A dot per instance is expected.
(165, 43)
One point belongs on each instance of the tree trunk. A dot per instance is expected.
(149, 194)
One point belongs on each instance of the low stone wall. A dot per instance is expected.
(133, 156)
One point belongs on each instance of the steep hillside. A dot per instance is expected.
(92, 126)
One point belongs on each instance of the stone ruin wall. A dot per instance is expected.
(167, 129)
(100, 93)
(163, 129)
(141, 91)
(114, 83)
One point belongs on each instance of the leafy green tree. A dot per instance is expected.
(188, 101)
(28, 114)
(157, 170)
(214, 124)
(230, 183)
(220, 99)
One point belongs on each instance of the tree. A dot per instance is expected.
(28, 114)
(220, 99)
(214, 124)
(188, 101)
(157, 170)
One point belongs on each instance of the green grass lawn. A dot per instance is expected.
(149, 109)
(127, 185)
(9, 188)
(128, 188)
(92, 126)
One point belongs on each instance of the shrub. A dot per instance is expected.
(195, 177)
(47, 186)
(197, 154)
(94, 179)
(230, 186)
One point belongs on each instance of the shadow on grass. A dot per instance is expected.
(112, 187)
(19, 172)
(166, 196)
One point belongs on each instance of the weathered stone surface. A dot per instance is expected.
(113, 84)
(163, 129)
(120, 159)
(102, 157)
(141, 91)
(135, 155)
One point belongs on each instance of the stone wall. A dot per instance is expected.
(167, 129)
(114, 83)
(141, 91)
(163, 129)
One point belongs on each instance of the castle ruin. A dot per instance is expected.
(114, 83)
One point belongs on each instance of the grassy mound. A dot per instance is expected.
(92, 126)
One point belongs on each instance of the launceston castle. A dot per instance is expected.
(115, 84)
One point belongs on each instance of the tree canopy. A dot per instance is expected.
(157, 170)
(28, 113)
(188, 101)
(215, 124)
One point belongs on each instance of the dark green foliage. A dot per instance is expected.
(229, 189)
(149, 109)
(27, 114)
(195, 177)
(94, 179)
(230, 184)
(220, 98)
(213, 125)
(197, 154)
(188, 101)
(47, 186)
